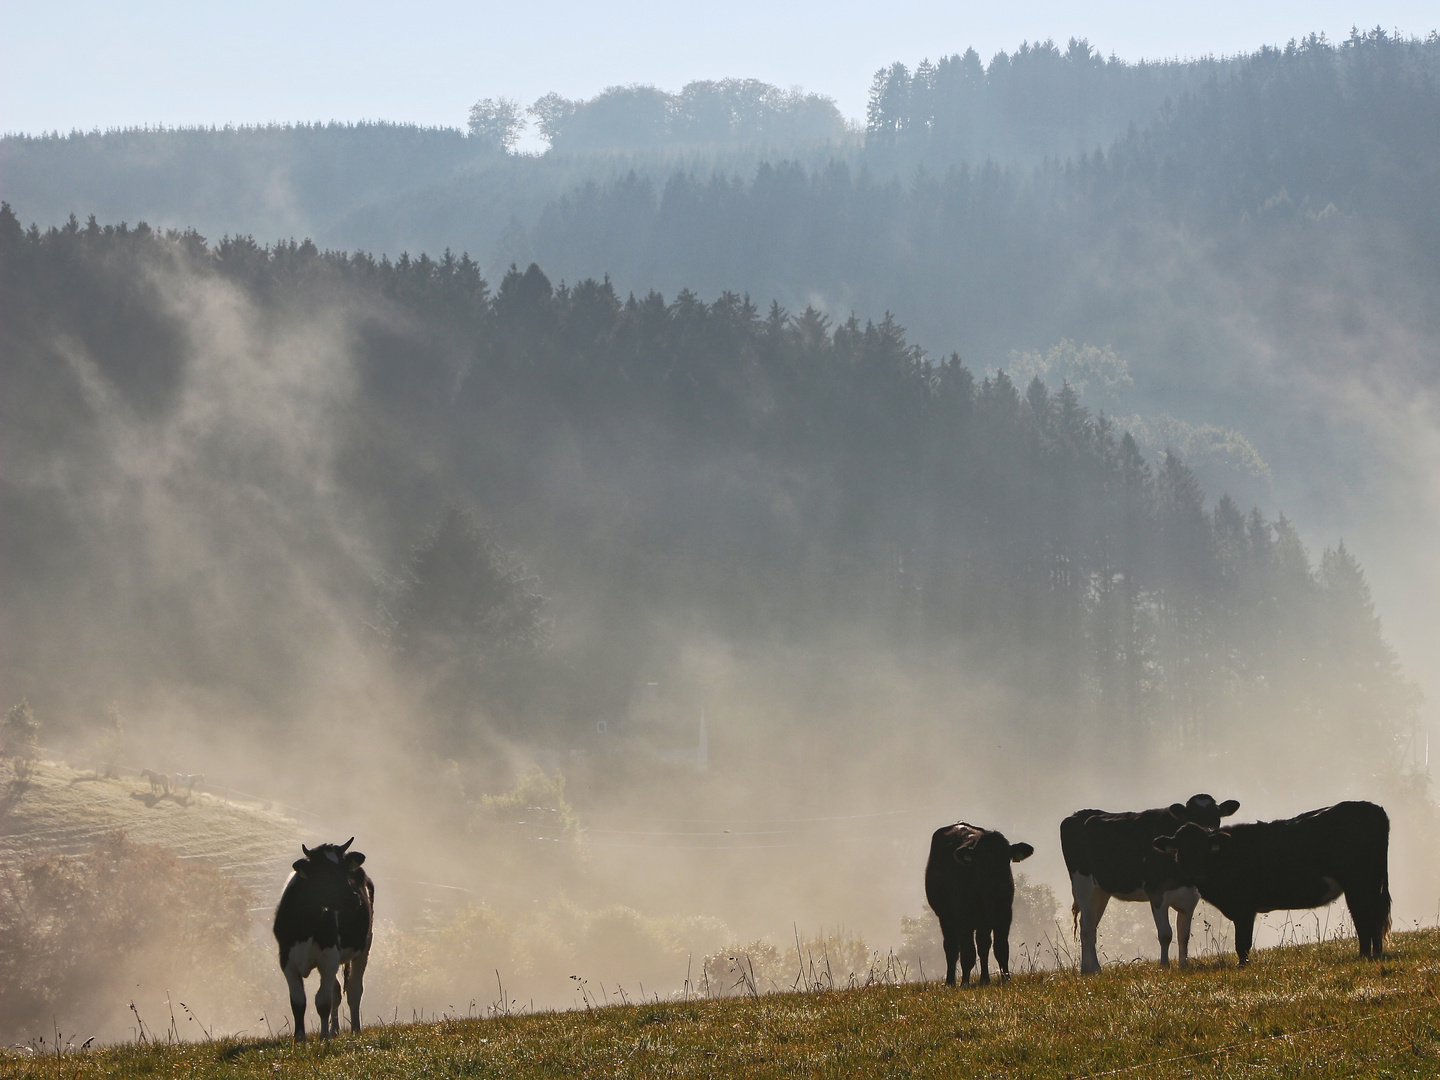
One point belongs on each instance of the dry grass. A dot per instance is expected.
(1311, 1010)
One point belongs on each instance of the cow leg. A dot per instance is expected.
(297, 1000)
(1369, 904)
(952, 951)
(1090, 900)
(335, 1005)
(1161, 913)
(982, 943)
(327, 998)
(1002, 952)
(967, 956)
(354, 987)
(1244, 936)
(1183, 917)
(1366, 924)
(322, 1007)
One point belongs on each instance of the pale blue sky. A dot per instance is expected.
(82, 63)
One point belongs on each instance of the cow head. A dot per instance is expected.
(327, 869)
(991, 853)
(1193, 846)
(1204, 810)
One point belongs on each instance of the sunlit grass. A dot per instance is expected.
(1311, 1010)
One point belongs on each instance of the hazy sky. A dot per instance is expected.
(81, 63)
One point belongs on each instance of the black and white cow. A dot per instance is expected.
(972, 891)
(324, 921)
(1113, 855)
(1300, 862)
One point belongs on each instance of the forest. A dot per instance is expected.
(745, 472)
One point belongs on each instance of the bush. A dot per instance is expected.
(20, 738)
(80, 936)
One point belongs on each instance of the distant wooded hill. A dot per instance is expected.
(388, 186)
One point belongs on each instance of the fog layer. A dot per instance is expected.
(375, 543)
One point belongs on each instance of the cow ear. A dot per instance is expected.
(1178, 809)
(354, 859)
(1166, 844)
(963, 855)
(1020, 852)
(1229, 806)
(299, 866)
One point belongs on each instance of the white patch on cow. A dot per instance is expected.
(1183, 901)
(333, 857)
(1332, 889)
(305, 956)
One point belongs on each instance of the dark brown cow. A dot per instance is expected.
(1301, 862)
(970, 887)
(325, 919)
(1113, 855)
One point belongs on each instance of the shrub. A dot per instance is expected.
(20, 738)
(80, 934)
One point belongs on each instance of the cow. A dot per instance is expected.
(1113, 855)
(1300, 862)
(188, 782)
(159, 781)
(971, 889)
(325, 919)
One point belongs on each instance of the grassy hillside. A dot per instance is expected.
(1304, 1010)
(66, 811)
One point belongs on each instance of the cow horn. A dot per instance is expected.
(345, 846)
(306, 850)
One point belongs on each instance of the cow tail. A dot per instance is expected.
(1385, 886)
(1075, 918)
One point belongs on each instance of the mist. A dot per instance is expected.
(628, 631)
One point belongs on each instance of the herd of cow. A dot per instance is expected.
(171, 783)
(1171, 857)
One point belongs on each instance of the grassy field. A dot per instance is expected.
(1308, 1010)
